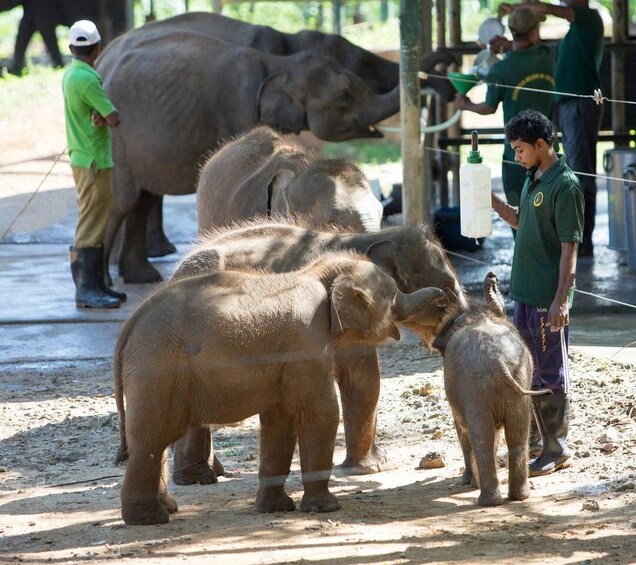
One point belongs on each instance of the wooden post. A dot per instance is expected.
(619, 36)
(130, 14)
(428, 140)
(413, 206)
(217, 6)
(336, 7)
(442, 110)
(455, 39)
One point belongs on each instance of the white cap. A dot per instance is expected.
(84, 33)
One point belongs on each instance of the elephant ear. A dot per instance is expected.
(383, 253)
(278, 104)
(277, 191)
(349, 307)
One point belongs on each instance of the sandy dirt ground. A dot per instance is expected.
(59, 489)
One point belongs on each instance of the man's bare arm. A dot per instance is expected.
(509, 214)
(559, 314)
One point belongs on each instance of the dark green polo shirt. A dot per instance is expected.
(580, 54)
(550, 213)
(531, 67)
(83, 95)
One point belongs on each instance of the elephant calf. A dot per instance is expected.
(221, 347)
(487, 371)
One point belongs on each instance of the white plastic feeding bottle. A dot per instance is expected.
(475, 205)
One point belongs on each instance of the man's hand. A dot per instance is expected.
(98, 121)
(461, 101)
(499, 44)
(558, 316)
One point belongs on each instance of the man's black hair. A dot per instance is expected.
(529, 126)
(83, 50)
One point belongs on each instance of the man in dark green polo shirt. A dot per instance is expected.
(578, 71)
(89, 113)
(530, 64)
(549, 223)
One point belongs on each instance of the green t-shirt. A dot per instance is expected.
(531, 67)
(550, 213)
(83, 95)
(580, 54)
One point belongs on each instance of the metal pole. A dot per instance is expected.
(336, 7)
(410, 33)
(130, 14)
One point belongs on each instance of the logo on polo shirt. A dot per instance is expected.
(538, 199)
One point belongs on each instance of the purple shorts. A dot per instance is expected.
(549, 349)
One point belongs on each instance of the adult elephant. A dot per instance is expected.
(44, 16)
(379, 73)
(182, 92)
(263, 173)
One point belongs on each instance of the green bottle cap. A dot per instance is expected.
(474, 156)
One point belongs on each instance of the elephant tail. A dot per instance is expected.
(512, 383)
(122, 454)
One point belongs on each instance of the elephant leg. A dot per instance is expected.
(358, 378)
(278, 440)
(516, 430)
(134, 266)
(47, 31)
(164, 495)
(142, 497)
(26, 29)
(482, 438)
(468, 476)
(158, 243)
(191, 454)
(317, 430)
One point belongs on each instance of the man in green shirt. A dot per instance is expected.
(529, 64)
(578, 69)
(549, 223)
(89, 113)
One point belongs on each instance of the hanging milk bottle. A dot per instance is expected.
(475, 205)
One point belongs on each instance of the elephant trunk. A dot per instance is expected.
(382, 106)
(406, 306)
(494, 299)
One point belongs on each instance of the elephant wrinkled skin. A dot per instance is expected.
(487, 374)
(263, 173)
(224, 346)
(182, 93)
(412, 256)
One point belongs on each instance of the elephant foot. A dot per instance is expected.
(323, 502)
(139, 274)
(468, 478)
(274, 500)
(199, 474)
(519, 493)
(368, 465)
(160, 248)
(217, 467)
(135, 516)
(169, 502)
(490, 499)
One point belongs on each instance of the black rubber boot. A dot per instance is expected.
(535, 443)
(552, 413)
(87, 270)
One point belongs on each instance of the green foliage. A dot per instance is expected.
(374, 151)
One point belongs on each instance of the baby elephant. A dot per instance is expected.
(221, 347)
(487, 374)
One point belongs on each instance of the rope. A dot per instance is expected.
(597, 96)
(28, 202)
